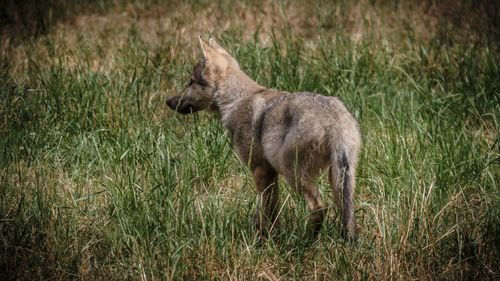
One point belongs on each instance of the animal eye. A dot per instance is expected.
(191, 81)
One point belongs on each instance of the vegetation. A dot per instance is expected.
(100, 180)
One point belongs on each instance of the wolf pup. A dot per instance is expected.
(296, 135)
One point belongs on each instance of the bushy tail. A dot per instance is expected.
(342, 182)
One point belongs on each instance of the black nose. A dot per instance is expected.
(171, 103)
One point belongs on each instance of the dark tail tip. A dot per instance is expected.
(347, 196)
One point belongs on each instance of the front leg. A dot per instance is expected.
(266, 182)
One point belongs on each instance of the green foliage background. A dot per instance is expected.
(98, 179)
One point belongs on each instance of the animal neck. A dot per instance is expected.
(237, 88)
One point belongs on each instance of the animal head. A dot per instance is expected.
(209, 74)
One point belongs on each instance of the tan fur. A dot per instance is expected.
(296, 135)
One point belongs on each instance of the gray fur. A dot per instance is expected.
(296, 135)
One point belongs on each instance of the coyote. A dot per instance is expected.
(296, 135)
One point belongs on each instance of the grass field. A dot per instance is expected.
(100, 180)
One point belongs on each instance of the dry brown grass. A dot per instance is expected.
(179, 22)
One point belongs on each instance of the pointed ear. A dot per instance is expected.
(204, 46)
(217, 47)
(212, 56)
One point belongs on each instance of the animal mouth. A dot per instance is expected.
(182, 108)
(186, 109)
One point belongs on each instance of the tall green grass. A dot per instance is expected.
(99, 179)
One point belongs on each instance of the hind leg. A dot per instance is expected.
(266, 182)
(317, 208)
(315, 204)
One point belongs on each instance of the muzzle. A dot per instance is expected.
(176, 103)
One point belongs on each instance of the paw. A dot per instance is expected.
(263, 225)
(260, 223)
(350, 233)
(312, 231)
